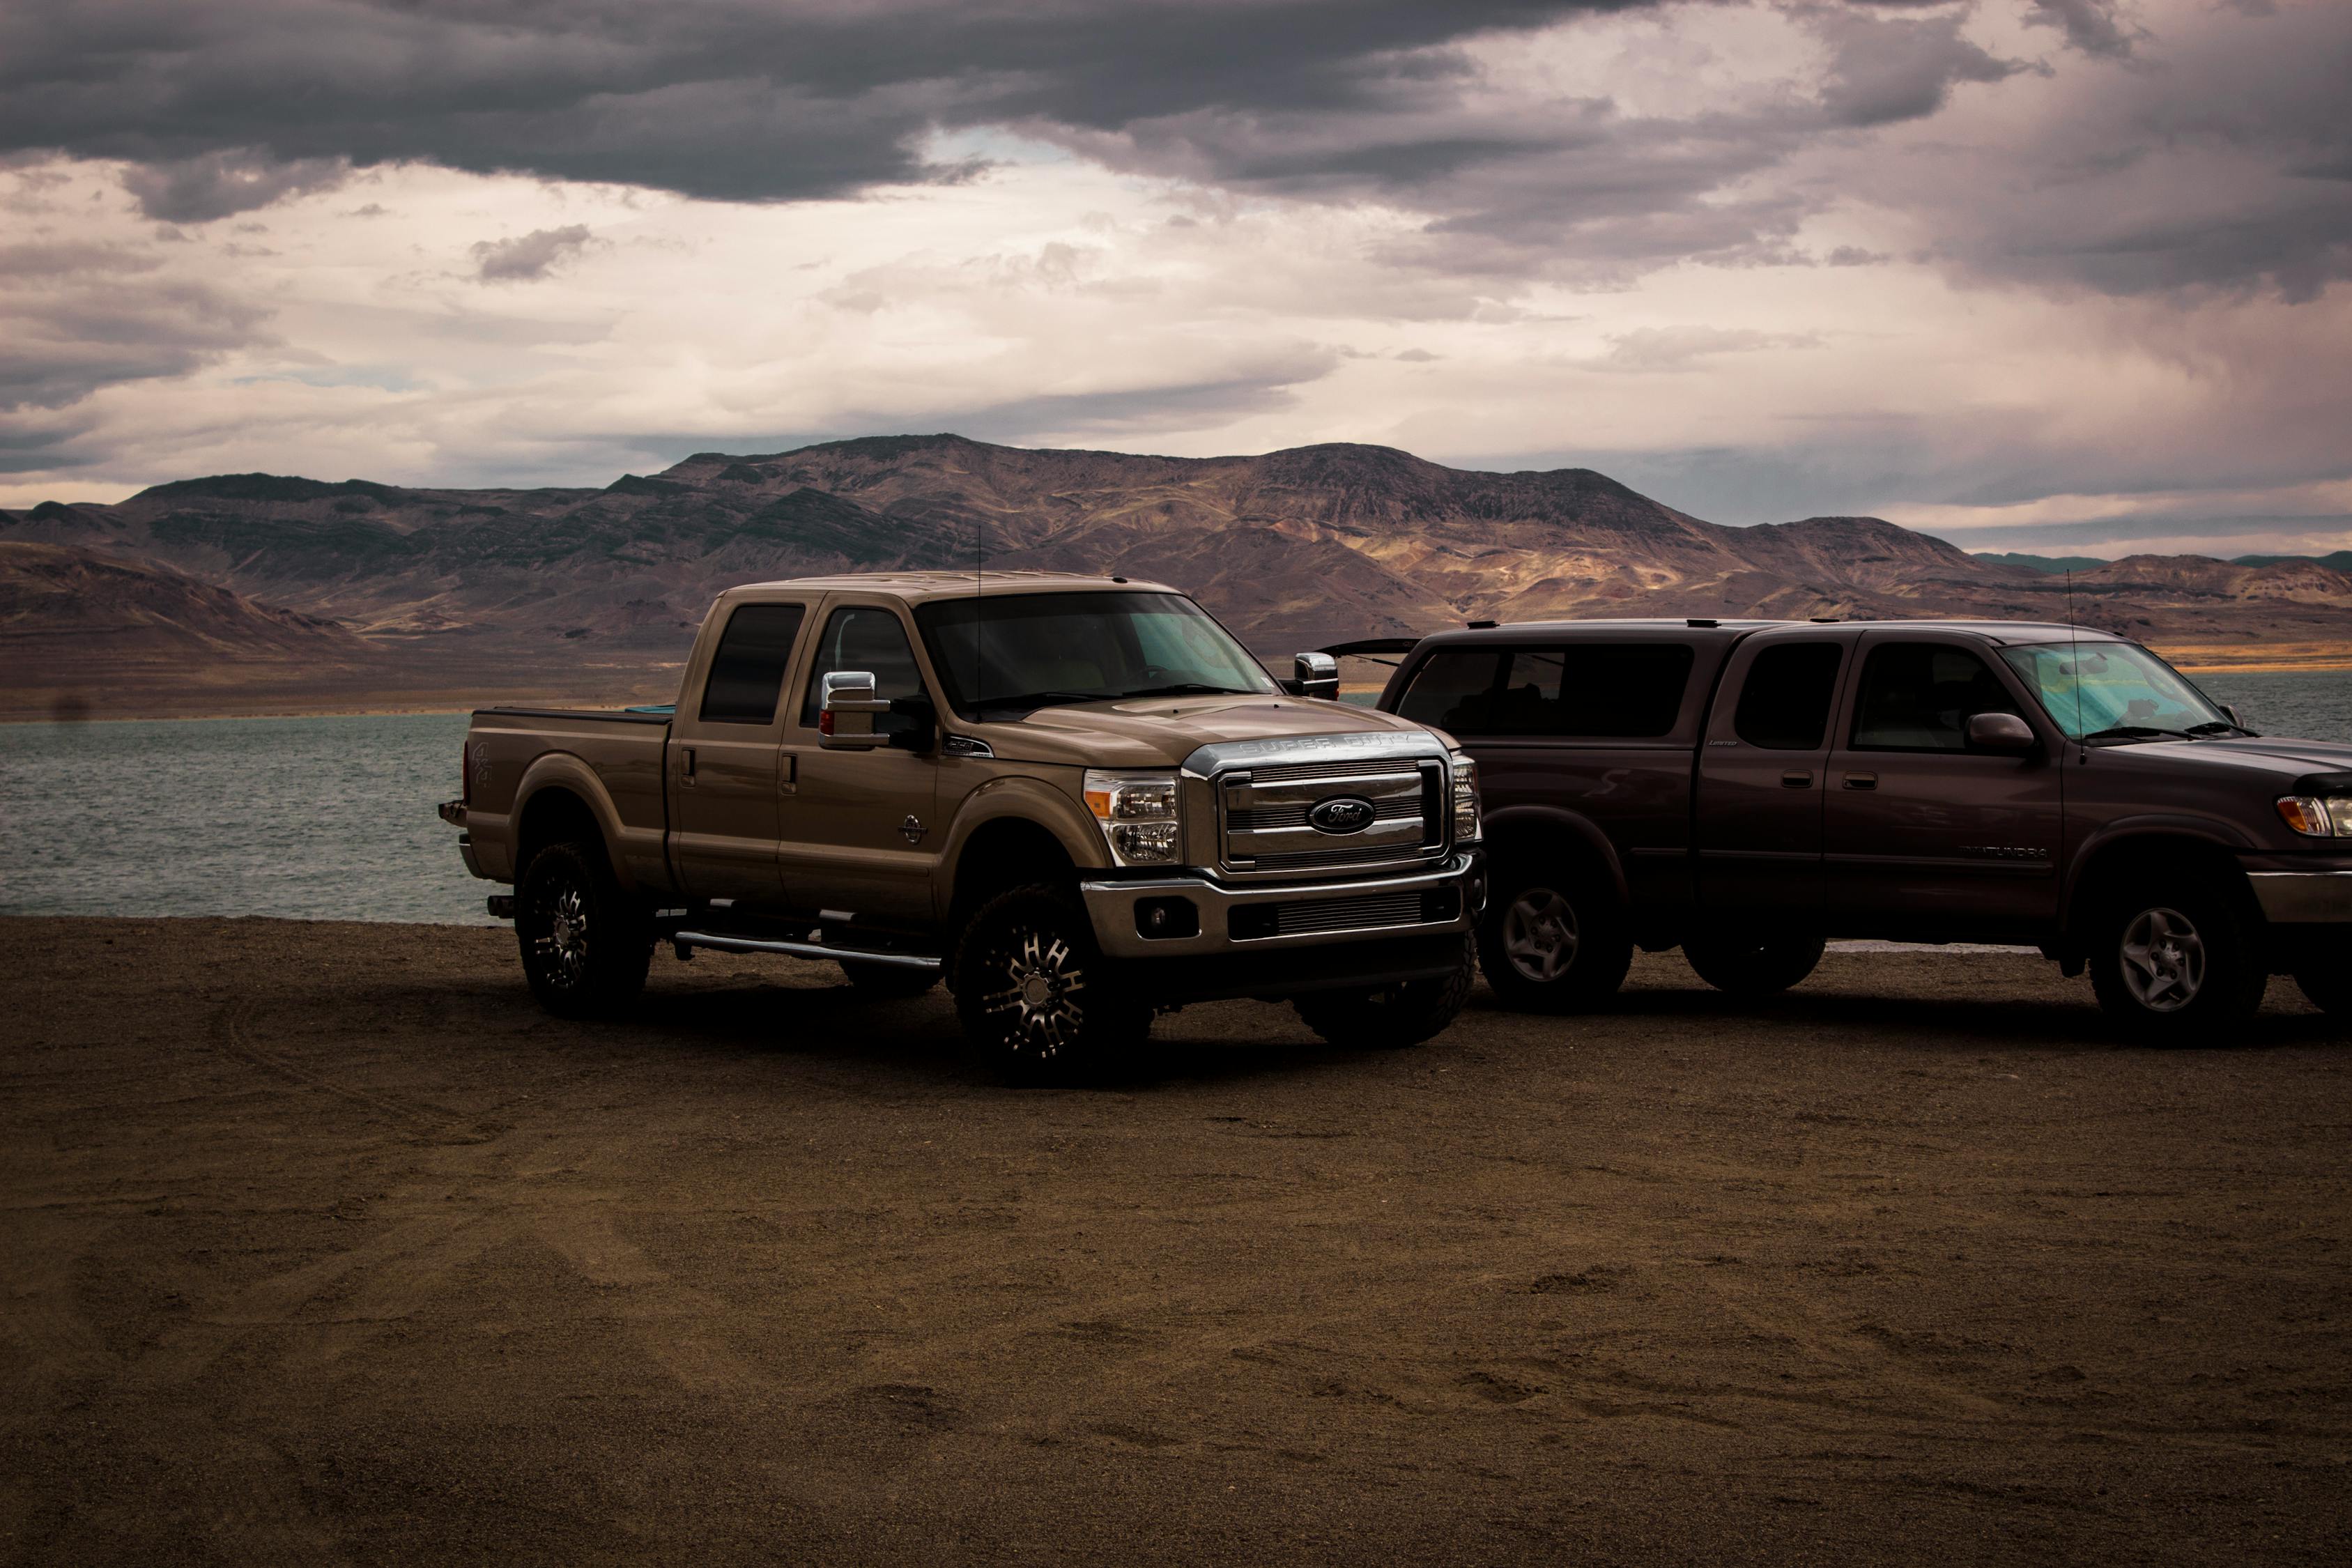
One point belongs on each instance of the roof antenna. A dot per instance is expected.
(2074, 656)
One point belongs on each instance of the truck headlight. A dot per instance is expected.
(1466, 799)
(2316, 819)
(1141, 816)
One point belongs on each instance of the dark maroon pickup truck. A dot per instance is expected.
(1749, 789)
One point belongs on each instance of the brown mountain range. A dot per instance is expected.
(1292, 547)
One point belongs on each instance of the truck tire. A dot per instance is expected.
(1390, 1017)
(2173, 963)
(1032, 992)
(1554, 941)
(884, 982)
(585, 943)
(1752, 965)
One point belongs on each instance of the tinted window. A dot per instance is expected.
(1920, 697)
(1451, 689)
(1029, 650)
(871, 639)
(747, 673)
(1785, 704)
(1590, 690)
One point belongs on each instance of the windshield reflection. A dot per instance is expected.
(1002, 654)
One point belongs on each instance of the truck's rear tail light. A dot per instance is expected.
(465, 773)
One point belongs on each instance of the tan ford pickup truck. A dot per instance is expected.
(1078, 799)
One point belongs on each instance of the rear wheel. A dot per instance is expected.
(1388, 1017)
(586, 945)
(2173, 964)
(1753, 962)
(1032, 992)
(1554, 941)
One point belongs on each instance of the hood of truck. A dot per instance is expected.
(2275, 758)
(1161, 731)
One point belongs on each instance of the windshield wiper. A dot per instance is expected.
(2215, 726)
(2134, 732)
(1188, 688)
(1029, 700)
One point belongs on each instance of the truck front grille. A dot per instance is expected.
(1429, 906)
(1268, 815)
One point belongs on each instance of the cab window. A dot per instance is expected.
(1919, 697)
(1784, 705)
(747, 673)
(863, 637)
(1602, 690)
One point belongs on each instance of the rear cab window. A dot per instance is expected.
(747, 671)
(1579, 691)
(1785, 702)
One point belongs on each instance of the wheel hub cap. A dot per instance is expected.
(1539, 935)
(2163, 960)
(564, 947)
(1038, 1005)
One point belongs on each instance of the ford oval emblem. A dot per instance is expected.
(1342, 813)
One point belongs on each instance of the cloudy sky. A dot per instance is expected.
(2029, 274)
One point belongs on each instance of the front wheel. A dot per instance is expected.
(586, 945)
(2174, 965)
(1554, 941)
(1389, 1017)
(1753, 964)
(1033, 994)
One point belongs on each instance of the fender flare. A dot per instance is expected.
(1020, 798)
(1553, 820)
(2222, 836)
(570, 772)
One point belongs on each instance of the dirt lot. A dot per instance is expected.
(323, 1245)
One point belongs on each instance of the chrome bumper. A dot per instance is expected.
(1110, 906)
(2303, 898)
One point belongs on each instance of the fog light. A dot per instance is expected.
(1167, 918)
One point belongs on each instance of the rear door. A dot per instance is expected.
(1923, 834)
(724, 755)
(1759, 815)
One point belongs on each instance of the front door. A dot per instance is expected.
(723, 761)
(1924, 835)
(858, 834)
(1758, 818)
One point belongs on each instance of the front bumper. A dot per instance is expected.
(1230, 920)
(2303, 898)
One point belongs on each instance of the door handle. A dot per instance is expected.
(1796, 778)
(686, 765)
(1862, 781)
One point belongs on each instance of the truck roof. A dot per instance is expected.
(914, 586)
(2003, 633)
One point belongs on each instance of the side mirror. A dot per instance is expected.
(1317, 675)
(2000, 732)
(845, 709)
(2230, 713)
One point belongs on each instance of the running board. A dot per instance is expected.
(688, 939)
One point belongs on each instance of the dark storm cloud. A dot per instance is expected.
(712, 97)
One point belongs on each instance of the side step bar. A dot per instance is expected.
(692, 939)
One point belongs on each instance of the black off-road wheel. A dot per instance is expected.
(586, 945)
(885, 982)
(2174, 963)
(1753, 964)
(1554, 941)
(1390, 1017)
(1035, 995)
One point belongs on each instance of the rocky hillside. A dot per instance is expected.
(1291, 547)
(58, 604)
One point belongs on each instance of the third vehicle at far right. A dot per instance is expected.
(1747, 790)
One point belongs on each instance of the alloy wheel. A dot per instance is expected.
(2163, 960)
(562, 946)
(1038, 1002)
(1539, 935)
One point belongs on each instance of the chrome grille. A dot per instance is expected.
(1263, 814)
(1348, 914)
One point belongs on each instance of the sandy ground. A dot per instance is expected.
(323, 1245)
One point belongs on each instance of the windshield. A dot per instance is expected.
(1020, 651)
(2117, 689)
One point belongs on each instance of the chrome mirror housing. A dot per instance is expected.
(845, 709)
(1317, 675)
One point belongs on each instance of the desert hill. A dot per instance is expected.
(1292, 547)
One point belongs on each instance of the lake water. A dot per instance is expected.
(332, 818)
